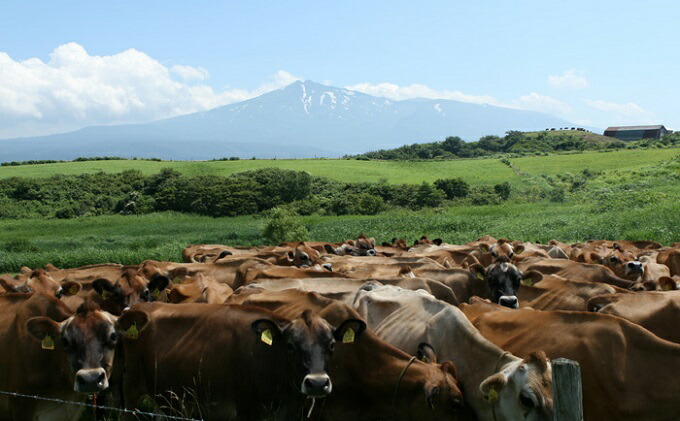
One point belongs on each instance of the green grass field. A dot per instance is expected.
(634, 195)
(162, 236)
(474, 171)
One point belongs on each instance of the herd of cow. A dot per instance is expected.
(349, 331)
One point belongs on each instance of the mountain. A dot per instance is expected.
(301, 120)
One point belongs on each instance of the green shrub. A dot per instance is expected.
(284, 226)
(483, 195)
(502, 190)
(453, 187)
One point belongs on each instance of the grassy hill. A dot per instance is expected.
(474, 171)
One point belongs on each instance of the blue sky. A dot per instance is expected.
(70, 64)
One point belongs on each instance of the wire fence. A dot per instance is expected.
(106, 408)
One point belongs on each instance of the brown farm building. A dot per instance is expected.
(636, 132)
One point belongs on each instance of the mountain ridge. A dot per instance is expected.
(301, 120)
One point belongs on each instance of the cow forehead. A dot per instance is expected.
(88, 322)
(310, 327)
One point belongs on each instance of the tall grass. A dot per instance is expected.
(162, 236)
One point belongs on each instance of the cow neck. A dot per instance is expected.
(476, 358)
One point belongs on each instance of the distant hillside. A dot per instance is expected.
(512, 142)
(304, 119)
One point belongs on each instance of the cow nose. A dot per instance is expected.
(509, 301)
(371, 252)
(635, 266)
(316, 385)
(91, 380)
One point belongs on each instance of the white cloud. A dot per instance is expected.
(569, 79)
(74, 89)
(392, 91)
(190, 73)
(542, 103)
(628, 112)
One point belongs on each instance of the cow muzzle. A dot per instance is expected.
(91, 380)
(510, 301)
(634, 267)
(316, 385)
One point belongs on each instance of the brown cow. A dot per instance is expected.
(395, 386)
(628, 373)
(50, 353)
(40, 282)
(569, 269)
(556, 293)
(670, 258)
(237, 362)
(199, 289)
(657, 312)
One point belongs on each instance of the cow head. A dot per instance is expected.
(40, 282)
(303, 256)
(425, 240)
(502, 247)
(88, 339)
(130, 289)
(503, 280)
(624, 264)
(522, 390)
(310, 341)
(364, 246)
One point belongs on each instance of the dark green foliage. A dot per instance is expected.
(453, 187)
(284, 226)
(502, 190)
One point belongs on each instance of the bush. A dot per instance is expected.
(428, 196)
(483, 195)
(284, 226)
(453, 187)
(557, 195)
(502, 190)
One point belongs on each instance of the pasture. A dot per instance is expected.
(475, 171)
(162, 236)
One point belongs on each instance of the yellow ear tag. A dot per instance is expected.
(348, 337)
(73, 290)
(480, 276)
(132, 332)
(493, 395)
(47, 342)
(528, 282)
(106, 295)
(267, 337)
(156, 293)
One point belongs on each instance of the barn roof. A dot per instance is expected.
(622, 128)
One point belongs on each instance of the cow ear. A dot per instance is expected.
(44, 329)
(70, 288)
(484, 247)
(349, 330)
(158, 282)
(8, 287)
(426, 353)
(667, 283)
(267, 330)
(329, 249)
(518, 249)
(438, 241)
(492, 386)
(478, 271)
(102, 285)
(132, 320)
(290, 255)
(531, 277)
(224, 253)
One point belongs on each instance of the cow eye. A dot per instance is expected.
(145, 295)
(331, 346)
(65, 342)
(526, 400)
(114, 337)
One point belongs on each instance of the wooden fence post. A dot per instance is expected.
(567, 394)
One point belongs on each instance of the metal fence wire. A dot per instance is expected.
(106, 408)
